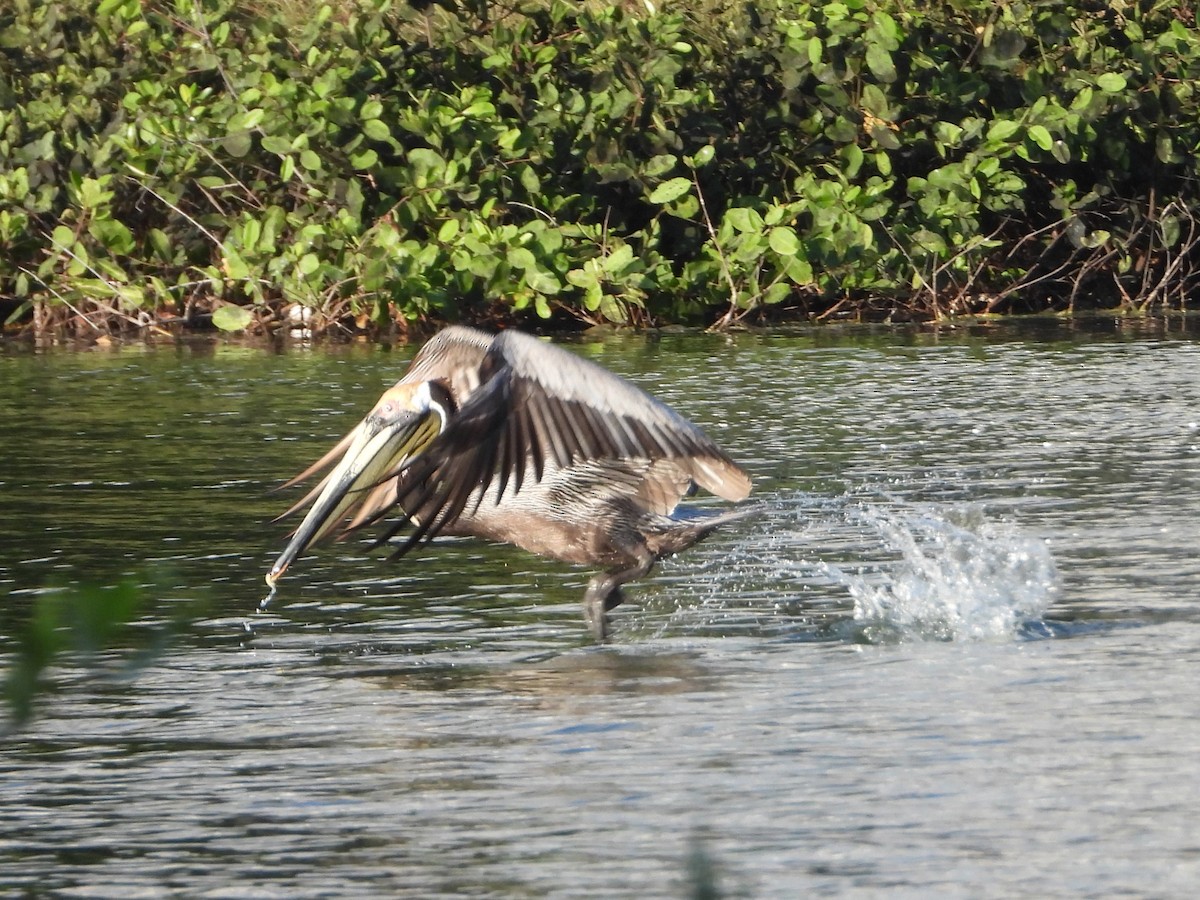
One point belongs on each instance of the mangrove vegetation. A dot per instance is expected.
(374, 164)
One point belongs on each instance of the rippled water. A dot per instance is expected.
(954, 655)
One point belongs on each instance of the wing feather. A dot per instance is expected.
(525, 407)
(454, 357)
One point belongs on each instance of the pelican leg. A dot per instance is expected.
(604, 591)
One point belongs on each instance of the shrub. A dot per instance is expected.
(167, 160)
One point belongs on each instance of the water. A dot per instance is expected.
(955, 655)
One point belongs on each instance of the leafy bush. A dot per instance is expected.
(381, 163)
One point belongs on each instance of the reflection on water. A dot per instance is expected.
(839, 696)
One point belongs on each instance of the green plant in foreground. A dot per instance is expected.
(86, 624)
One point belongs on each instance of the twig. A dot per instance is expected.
(729, 316)
(167, 203)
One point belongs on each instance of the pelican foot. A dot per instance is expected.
(601, 596)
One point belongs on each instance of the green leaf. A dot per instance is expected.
(671, 190)
(1083, 99)
(160, 243)
(948, 133)
(368, 159)
(777, 292)
(875, 102)
(799, 270)
(619, 260)
(1002, 47)
(132, 295)
(232, 318)
(232, 263)
(744, 219)
(686, 208)
(583, 277)
(612, 309)
(480, 109)
(92, 194)
(703, 156)
(238, 144)
(659, 165)
(425, 160)
(251, 231)
(483, 265)
(376, 130)
(884, 136)
(273, 143)
(783, 241)
(520, 258)
(593, 297)
(244, 121)
(1041, 136)
(1002, 130)
(550, 241)
(853, 157)
(1163, 147)
(1111, 83)
(879, 61)
(112, 234)
(542, 282)
(816, 50)
(22, 308)
(63, 237)
(1170, 228)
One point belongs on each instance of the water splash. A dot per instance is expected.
(958, 577)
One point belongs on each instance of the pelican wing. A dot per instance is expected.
(452, 356)
(536, 406)
(568, 408)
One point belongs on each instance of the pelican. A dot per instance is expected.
(508, 438)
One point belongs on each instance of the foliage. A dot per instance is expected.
(85, 623)
(381, 162)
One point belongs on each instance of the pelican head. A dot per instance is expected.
(407, 418)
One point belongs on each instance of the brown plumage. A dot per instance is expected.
(512, 439)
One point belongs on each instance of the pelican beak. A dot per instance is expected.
(380, 447)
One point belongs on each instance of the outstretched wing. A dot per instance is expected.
(453, 356)
(537, 405)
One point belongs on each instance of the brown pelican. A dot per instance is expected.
(507, 438)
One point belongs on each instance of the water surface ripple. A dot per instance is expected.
(954, 654)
